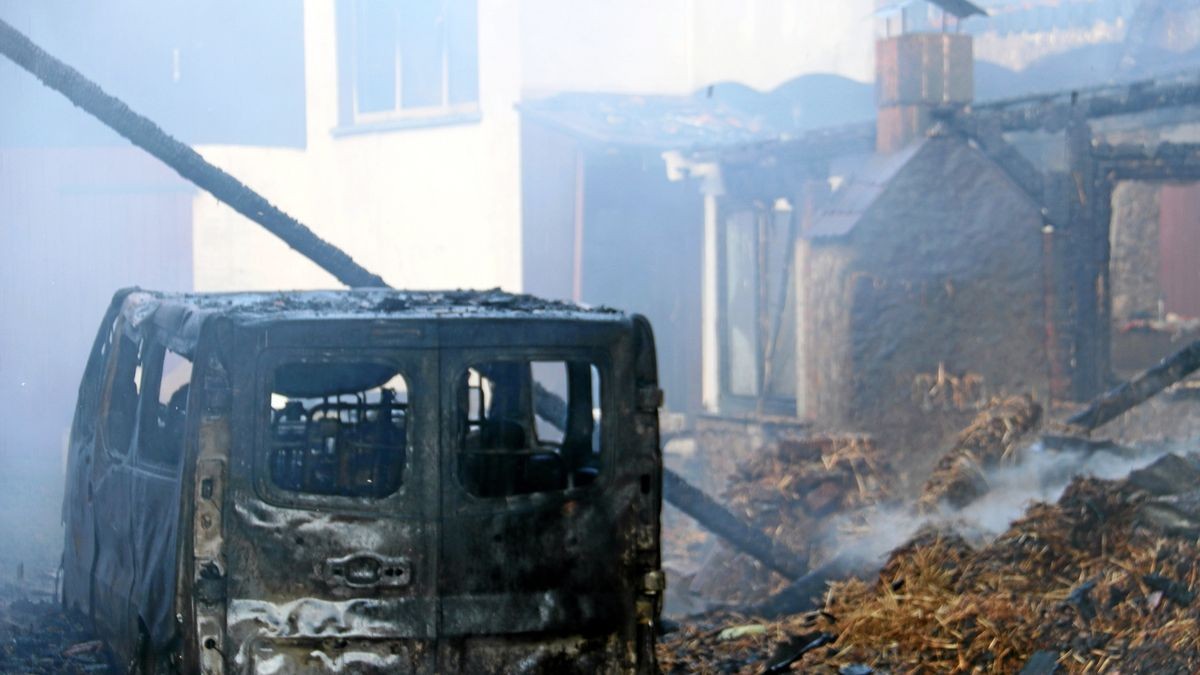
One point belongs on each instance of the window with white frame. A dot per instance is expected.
(407, 61)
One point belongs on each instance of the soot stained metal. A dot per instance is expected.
(361, 481)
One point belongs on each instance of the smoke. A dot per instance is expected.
(863, 539)
(1041, 477)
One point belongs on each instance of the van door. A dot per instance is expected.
(79, 543)
(331, 544)
(111, 494)
(532, 577)
(156, 484)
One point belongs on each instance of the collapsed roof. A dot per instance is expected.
(180, 315)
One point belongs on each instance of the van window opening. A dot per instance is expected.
(121, 402)
(512, 445)
(87, 415)
(166, 382)
(338, 429)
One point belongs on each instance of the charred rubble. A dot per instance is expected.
(1104, 579)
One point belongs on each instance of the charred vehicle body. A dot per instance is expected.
(367, 481)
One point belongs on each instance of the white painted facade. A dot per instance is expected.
(439, 206)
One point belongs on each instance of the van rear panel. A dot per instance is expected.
(368, 481)
(498, 543)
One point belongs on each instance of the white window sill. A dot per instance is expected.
(404, 122)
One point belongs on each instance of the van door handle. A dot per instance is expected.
(367, 570)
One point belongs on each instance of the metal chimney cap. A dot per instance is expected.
(960, 8)
(957, 8)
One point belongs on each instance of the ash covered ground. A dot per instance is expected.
(36, 635)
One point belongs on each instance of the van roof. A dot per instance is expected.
(180, 315)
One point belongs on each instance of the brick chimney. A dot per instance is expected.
(916, 72)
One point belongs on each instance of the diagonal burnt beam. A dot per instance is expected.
(693, 501)
(184, 160)
(1131, 393)
(708, 512)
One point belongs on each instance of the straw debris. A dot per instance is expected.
(993, 438)
(1088, 579)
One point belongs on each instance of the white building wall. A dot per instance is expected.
(435, 207)
(440, 207)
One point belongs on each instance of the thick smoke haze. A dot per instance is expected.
(257, 88)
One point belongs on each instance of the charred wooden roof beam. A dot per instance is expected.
(1054, 112)
(1160, 162)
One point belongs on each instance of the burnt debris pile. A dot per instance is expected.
(790, 491)
(1103, 580)
(37, 637)
(821, 498)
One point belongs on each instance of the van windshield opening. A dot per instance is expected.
(338, 429)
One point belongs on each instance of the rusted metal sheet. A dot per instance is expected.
(1179, 248)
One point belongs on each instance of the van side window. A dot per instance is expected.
(119, 408)
(166, 381)
(338, 429)
(529, 426)
(92, 390)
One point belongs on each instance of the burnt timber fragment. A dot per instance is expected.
(808, 592)
(785, 665)
(1113, 403)
(720, 521)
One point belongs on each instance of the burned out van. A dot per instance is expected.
(367, 481)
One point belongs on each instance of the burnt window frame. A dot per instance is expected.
(468, 358)
(391, 505)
